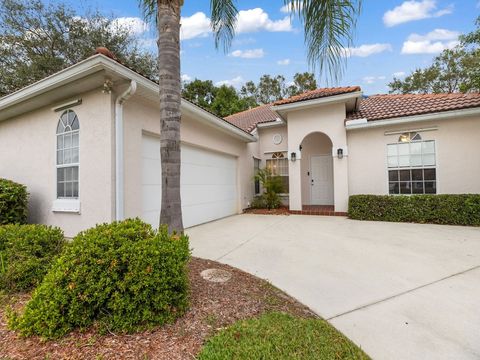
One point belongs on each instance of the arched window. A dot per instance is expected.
(409, 137)
(68, 131)
(278, 166)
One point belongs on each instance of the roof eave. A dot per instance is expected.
(444, 115)
(315, 102)
(98, 62)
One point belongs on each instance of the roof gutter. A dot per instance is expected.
(445, 115)
(119, 151)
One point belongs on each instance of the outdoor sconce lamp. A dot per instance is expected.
(293, 156)
(340, 153)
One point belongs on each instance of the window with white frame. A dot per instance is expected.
(68, 130)
(412, 165)
(278, 166)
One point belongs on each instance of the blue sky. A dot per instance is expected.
(392, 37)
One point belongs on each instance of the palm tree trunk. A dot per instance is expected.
(170, 99)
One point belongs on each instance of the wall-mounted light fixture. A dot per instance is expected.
(340, 153)
(293, 156)
(300, 147)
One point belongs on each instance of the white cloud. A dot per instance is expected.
(133, 24)
(248, 54)
(414, 10)
(257, 19)
(431, 43)
(197, 25)
(399, 74)
(186, 78)
(367, 50)
(283, 62)
(236, 82)
(372, 79)
(248, 21)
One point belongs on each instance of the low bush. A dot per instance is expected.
(122, 275)
(463, 209)
(13, 202)
(280, 336)
(26, 254)
(272, 186)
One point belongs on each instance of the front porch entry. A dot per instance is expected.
(317, 171)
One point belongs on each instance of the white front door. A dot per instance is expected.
(321, 180)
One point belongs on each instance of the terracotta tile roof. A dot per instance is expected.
(319, 93)
(248, 119)
(377, 107)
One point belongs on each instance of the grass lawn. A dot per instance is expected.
(280, 336)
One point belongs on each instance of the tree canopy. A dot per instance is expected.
(224, 100)
(37, 40)
(454, 70)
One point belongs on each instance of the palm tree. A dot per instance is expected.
(328, 26)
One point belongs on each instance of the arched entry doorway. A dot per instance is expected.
(317, 170)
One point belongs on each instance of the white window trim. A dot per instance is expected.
(66, 205)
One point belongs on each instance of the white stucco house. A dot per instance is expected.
(85, 141)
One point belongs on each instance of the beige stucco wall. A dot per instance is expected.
(328, 119)
(141, 115)
(27, 156)
(457, 143)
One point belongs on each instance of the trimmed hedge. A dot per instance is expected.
(26, 254)
(122, 275)
(451, 209)
(13, 202)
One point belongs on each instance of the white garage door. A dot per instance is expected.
(208, 184)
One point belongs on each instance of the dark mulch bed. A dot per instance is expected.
(213, 306)
(280, 211)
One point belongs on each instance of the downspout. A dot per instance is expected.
(119, 150)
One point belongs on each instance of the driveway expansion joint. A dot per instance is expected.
(402, 293)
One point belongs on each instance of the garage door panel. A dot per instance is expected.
(201, 213)
(151, 172)
(151, 196)
(208, 183)
(193, 174)
(192, 195)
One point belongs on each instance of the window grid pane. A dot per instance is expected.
(279, 167)
(68, 155)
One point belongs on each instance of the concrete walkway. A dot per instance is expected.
(400, 291)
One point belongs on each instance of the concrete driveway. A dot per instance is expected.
(400, 291)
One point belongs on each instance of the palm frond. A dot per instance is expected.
(329, 26)
(223, 21)
(149, 10)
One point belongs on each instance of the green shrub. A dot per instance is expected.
(280, 336)
(463, 209)
(13, 202)
(123, 275)
(272, 186)
(26, 253)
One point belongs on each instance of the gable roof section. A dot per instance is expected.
(380, 107)
(40, 93)
(248, 119)
(318, 93)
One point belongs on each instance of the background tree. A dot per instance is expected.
(454, 70)
(37, 40)
(328, 28)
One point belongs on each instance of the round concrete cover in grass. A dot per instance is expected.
(216, 275)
